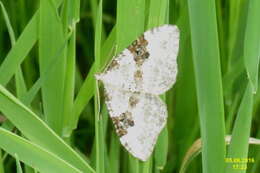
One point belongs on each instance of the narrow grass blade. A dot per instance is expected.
(98, 36)
(184, 98)
(69, 87)
(70, 18)
(147, 167)
(8, 24)
(133, 25)
(252, 43)
(239, 144)
(134, 166)
(42, 135)
(114, 153)
(18, 164)
(161, 150)
(33, 155)
(86, 91)
(28, 169)
(158, 13)
(1, 163)
(208, 82)
(51, 37)
(54, 61)
(195, 150)
(235, 9)
(94, 9)
(19, 80)
(22, 47)
(99, 136)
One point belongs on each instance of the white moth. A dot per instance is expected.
(133, 82)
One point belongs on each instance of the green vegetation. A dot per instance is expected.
(52, 112)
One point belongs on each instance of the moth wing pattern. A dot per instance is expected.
(133, 82)
(120, 72)
(138, 119)
(148, 65)
(160, 69)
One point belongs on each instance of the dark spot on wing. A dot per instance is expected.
(123, 122)
(138, 75)
(139, 50)
(113, 64)
(133, 100)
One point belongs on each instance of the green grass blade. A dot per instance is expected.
(54, 61)
(195, 150)
(184, 97)
(98, 36)
(19, 51)
(234, 18)
(51, 38)
(28, 169)
(86, 91)
(208, 83)
(8, 24)
(161, 150)
(252, 43)
(33, 155)
(20, 83)
(42, 135)
(70, 17)
(69, 87)
(94, 9)
(146, 167)
(158, 13)
(22, 47)
(18, 164)
(99, 137)
(19, 80)
(1, 163)
(114, 153)
(134, 166)
(133, 25)
(241, 131)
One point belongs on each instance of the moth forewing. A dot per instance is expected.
(133, 82)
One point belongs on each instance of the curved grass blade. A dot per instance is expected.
(241, 132)
(252, 43)
(114, 153)
(51, 38)
(42, 135)
(86, 91)
(33, 155)
(207, 69)
(22, 47)
(1, 162)
(8, 24)
(19, 79)
(195, 150)
(70, 18)
(99, 136)
(18, 164)
(135, 24)
(157, 13)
